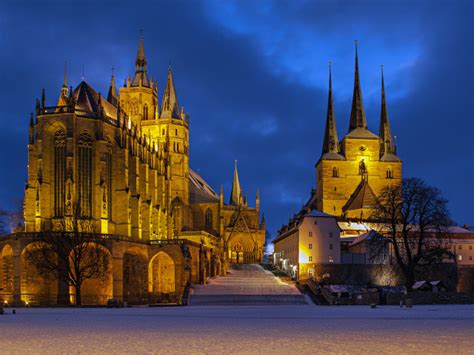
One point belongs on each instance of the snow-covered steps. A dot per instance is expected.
(247, 285)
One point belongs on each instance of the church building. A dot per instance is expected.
(117, 166)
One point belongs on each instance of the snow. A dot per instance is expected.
(305, 329)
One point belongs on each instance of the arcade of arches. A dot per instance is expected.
(137, 274)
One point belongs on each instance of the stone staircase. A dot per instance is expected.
(246, 284)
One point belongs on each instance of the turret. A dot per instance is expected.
(170, 106)
(140, 78)
(331, 142)
(112, 96)
(257, 201)
(236, 194)
(386, 142)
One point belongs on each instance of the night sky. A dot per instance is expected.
(254, 80)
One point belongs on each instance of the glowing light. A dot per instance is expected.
(129, 123)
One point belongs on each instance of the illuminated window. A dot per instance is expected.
(310, 234)
(209, 218)
(335, 172)
(310, 258)
(331, 259)
(84, 173)
(108, 178)
(460, 257)
(310, 246)
(59, 173)
(389, 173)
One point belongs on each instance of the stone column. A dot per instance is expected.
(16, 276)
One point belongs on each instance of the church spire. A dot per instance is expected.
(140, 78)
(62, 101)
(357, 119)
(112, 96)
(169, 105)
(236, 194)
(331, 142)
(384, 132)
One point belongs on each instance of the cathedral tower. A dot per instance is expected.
(350, 175)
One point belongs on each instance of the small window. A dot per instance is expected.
(470, 247)
(335, 172)
(331, 235)
(460, 247)
(176, 132)
(162, 132)
(470, 258)
(310, 272)
(460, 257)
(330, 246)
(310, 246)
(389, 173)
(310, 258)
(310, 234)
(335, 188)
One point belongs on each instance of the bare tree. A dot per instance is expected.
(414, 218)
(73, 256)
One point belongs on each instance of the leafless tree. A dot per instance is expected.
(414, 219)
(70, 254)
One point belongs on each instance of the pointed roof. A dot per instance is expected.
(199, 189)
(236, 193)
(87, 101)
(62, 101)
(331, 142)
(362, 197)
(140, 67)
(169, 105)
(358, 119)
(387, 149)
(112, 96)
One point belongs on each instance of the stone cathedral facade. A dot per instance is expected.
(118, 166)
(351, 173)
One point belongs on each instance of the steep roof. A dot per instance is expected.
(87, 100)
(358, 119)
(236, 194)
(140, 67)
(362, 197)
(169, 105)
(199, 189)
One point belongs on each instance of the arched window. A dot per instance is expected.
(84, 174)
(59, 164)
(145, 112)
(108, 177)
(335, 172)
(209, 218)
(389, 173)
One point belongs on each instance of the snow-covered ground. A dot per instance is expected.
(252, 329)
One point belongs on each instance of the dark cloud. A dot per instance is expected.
(254, 81)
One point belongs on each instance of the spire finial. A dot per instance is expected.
(331, 141)
(83, 75)
(357, 119)
(65, 75)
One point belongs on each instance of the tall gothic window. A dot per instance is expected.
(145, 112)
(59, 164)
(84, 172)
(108, 177)
(389, 174)
(209, 218)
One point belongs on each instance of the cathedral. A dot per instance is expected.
(118, 166)
(351, 173)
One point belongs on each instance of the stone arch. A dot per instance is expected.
(36, 286)
(6, 274)
(161, 277)
(97, 291)
(241, 249)
(135, 272)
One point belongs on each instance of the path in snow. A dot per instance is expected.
(246, 284)
(246, 329)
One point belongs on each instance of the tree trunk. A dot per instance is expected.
(409, 279)
(78, 295)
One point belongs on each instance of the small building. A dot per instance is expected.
(310, 238)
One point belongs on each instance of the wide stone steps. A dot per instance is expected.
(247, 285)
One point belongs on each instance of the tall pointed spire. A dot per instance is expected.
(331, 141)
(140, 77)
(112, 96)
(357, 119)
(169, 105)
(236, 194)
(386, 145)
(62, 101)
